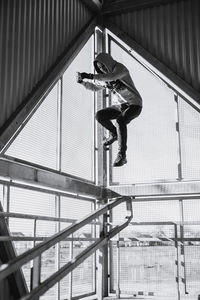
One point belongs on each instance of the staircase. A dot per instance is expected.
(14, 286)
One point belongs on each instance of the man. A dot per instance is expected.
(117, 79)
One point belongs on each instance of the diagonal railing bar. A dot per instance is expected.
(18, 262)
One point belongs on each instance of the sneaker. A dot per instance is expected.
(120, 160)
(112, 138)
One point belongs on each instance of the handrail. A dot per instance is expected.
(37, 218)
(18, 262)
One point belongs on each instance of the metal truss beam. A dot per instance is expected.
(182, 189)
(121, 6)
(48, 178)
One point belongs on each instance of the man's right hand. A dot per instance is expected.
(86, 75)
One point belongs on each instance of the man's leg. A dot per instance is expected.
(104, 117)
(130, 113)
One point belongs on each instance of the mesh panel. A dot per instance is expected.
(74, 208)
(190, 140)
(192, 260)
(64, 259)
(36, 142)
(48, 267)
(78, 119)
(156, 211)
(152, 139)
(147, 260)
(83, 275)
(33, 202)
(146, 265)
(191, 210)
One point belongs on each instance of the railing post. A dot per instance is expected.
(118, 268)
(71, 254)
(36, 272)
(36, 268)
(177, 259)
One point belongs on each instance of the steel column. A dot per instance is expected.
(102, 257)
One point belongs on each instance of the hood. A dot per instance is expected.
(105, 59)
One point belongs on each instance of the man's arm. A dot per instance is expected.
(92, 87)
(119, 72)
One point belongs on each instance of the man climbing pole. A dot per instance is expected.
(116, 77)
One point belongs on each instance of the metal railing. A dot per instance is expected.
(36, 252)
(176, 259)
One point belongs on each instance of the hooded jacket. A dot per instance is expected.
(118, 79)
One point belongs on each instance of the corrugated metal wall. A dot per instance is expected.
(171, 33)
(33, 34)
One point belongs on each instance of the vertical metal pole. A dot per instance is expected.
(6, 199)
(118, 269)
(58, 167)
(110, 169)
(36, 269)
(180, 171)
(71, 274)
(94, 235)
(57, 246)
(110, 257)
(33, 245)
(177, 259)
(34, 231)
(102, 257)
(183, 263)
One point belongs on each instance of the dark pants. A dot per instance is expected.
(123, 114)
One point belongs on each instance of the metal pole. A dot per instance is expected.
(36, 268)
(118, 269)
(110, 258)
(71, 274)
(94, 235)
(58, 167)
(183, 269)
(180, 172)
(102, 257)
(57, 247)
(177, 259)
(8, 201)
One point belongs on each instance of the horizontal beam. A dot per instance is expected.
(180, 83)
(48, 178)
(125, 6)
(17, 121)
(182, 189)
